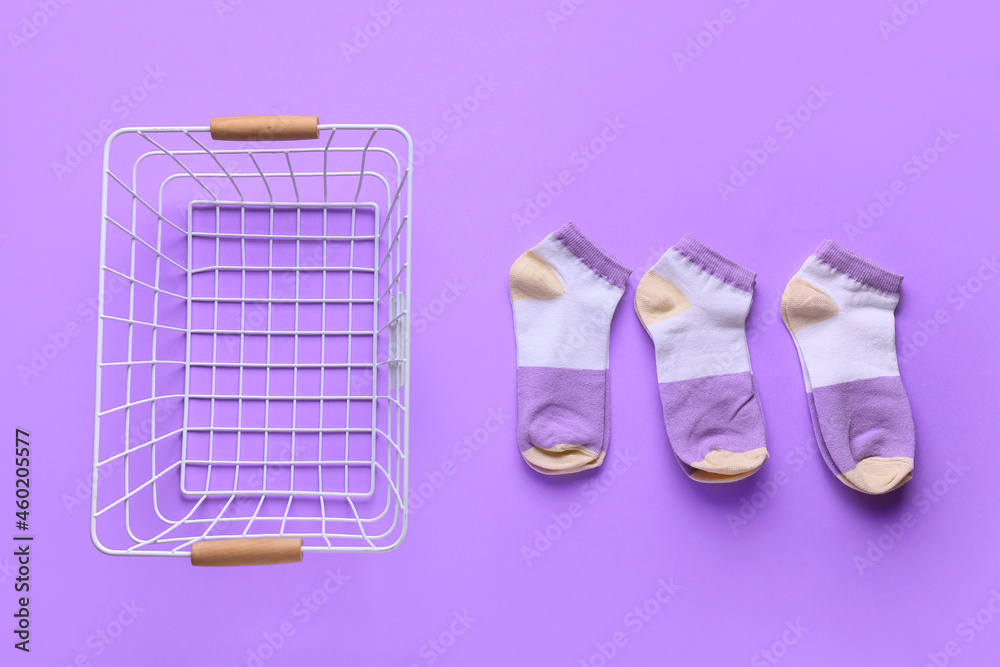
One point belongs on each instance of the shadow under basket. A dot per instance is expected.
(253, 341)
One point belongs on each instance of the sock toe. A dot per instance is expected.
(562, 459)
(715, 478)
(722, 462)
(877, 474)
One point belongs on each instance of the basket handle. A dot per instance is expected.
(251, 551)
(265, 128)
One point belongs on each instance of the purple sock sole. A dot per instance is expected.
(864, 418)
(561, 406)
(820, 443)
(715, 412)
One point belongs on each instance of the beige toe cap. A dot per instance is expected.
(721, 462)
(562, 460)
(877, 474)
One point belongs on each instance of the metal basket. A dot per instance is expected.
(252, 371)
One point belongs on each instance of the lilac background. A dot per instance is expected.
(793, 562)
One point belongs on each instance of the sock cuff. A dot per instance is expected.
(596, 258)
(715, 264)
(858, 268)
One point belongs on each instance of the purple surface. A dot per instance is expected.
(761, 128)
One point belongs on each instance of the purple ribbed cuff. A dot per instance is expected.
(857, 267)
(724, 269)
(594, 256)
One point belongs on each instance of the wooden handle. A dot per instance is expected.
(257, 551)
(265, 128)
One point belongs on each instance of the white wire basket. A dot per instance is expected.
(252, 372)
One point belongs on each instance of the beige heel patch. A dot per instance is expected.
(531, 277)
(804, 304)
(658, 299)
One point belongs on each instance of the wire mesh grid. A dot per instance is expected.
(252, 373)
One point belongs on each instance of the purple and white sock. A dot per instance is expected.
(840, 310)
(693, 304)
(564, 292)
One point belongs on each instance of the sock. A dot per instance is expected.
(840, 310)
(693, 303)
(820, 443)
(564, 292)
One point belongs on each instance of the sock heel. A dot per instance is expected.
(531, 277)
(658, 299)
(803, 304)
